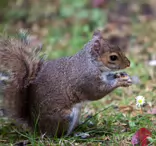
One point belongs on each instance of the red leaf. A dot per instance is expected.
(135, 139)
(141, 137)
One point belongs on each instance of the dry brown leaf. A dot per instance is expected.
(126, 109)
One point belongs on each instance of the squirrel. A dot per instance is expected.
(50, 93)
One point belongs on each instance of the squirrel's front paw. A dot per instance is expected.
(123, 79)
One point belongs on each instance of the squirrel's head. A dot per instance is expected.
(109, 55)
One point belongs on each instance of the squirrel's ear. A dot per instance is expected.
(97, 33)
(97, 46)
(97, 43)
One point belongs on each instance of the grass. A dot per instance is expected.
(114, 119)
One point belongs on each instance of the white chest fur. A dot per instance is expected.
(104, 77)
(75, 115)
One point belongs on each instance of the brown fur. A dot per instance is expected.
(21, 64)
(50, 94)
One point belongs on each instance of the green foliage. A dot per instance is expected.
(3, 3)
(16, 15)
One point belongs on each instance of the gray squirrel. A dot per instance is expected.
(50, 93)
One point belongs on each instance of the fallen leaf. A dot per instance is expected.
(126, 109)
(141, 137)
(106, 138)
(152, 111)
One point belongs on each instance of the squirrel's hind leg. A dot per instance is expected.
(74, 118)
(60, 123)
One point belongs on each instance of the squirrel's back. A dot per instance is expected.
(19, 65)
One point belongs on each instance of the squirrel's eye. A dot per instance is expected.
(113, 57)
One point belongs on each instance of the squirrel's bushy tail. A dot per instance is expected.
(19, 64)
